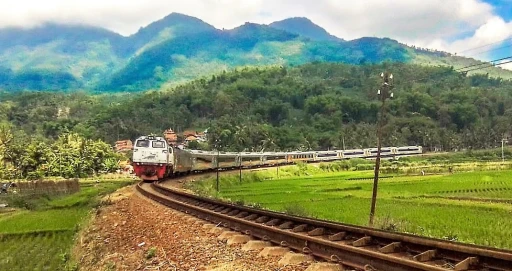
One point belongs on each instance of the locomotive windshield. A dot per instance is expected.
(142, 143)
(158, 144)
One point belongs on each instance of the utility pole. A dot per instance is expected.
(240, 166)
(217, 183)
(384, 93)
(217, 146)
(503, 141)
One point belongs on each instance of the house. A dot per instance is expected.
(201, 137)
(170, 136)
(188, 133)
(190, 138)
(124, 145)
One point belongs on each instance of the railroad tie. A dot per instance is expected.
(391, 248)
(262, 219)
(300, 228)
(362, 242)
(466, 264)
(426, 256)
(285, 226)
(316, 232)
(273, 222)
(251, 217)
(338, 236)
(242, 214)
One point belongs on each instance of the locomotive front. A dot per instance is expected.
(152, 159)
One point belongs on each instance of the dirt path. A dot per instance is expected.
(134, 233)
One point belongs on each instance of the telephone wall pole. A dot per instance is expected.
(384, 93)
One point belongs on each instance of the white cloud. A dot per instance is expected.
(432, 23)
(493, 30)
(507, 66)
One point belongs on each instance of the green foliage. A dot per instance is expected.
(302, 168)
(151, 253)
(311, 107)
(297, 210)
(69, 156)
(43, 250)
(471, 207)
(46, 234)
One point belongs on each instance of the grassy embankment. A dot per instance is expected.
(40, 235)
(473, 207)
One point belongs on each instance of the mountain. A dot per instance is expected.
(206, 53)
(304, 27)
(193, 55)
(56, 56)
(171, 26)
(179, 48)
(72, 35)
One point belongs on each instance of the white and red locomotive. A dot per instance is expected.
(152, 158)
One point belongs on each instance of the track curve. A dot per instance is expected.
(351, 246)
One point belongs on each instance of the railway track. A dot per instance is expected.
(350, 246)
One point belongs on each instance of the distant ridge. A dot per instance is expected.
(180, 48)
(304, 27)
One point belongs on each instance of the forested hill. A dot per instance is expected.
(180, 48)
(314, 106)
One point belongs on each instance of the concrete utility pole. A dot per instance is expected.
(384, 93)
(217, 146)
(240, 166)
(503, 141)
(217, 184)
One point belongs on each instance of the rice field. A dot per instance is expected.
(41, 237)
(35, 251)
(472, 207)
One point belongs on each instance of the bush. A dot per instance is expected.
(297, 210)
(365, 167)
(151, 253)
(302, 167)
(359, 161)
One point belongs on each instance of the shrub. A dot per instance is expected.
(302, 167)
(151, 253)
(297, 210)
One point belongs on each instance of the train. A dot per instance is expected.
(154, 159)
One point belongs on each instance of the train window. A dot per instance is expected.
(142, 143)
(158, 144)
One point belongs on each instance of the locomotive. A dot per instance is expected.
(153, 159)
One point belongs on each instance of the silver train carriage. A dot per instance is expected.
(153, 159)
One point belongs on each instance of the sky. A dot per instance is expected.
(449, 25)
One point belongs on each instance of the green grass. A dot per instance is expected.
(41, 238)
(47, 220)
(36, 251)
(451, 206)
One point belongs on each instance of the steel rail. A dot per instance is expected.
(352, 246)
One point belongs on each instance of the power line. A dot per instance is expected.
(489, 44)
(494, 49)
(483, 63)
(490, 65)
